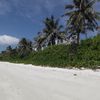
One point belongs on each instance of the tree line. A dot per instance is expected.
(81, 18)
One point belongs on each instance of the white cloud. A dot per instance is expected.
(8, 40)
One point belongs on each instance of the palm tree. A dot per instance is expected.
(52, 30)
(39, 41)
(9, 48)
(24, 47)
(8, 51)
(82, 17)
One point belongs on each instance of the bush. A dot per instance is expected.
(87, 55)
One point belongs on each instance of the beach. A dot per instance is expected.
(28, 82)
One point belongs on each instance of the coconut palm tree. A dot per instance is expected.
(82, 17)
(9, 48)
(52, 30)
(39, 41)
(24, 47)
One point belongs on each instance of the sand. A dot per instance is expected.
(27, 82)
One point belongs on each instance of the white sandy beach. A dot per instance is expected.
(27, 82)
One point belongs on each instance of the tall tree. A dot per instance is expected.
(52, 29)
(39, 41)
(9, 49)
(24, 47)
(82, 17)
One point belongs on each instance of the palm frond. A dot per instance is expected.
(90, 4)
(69, 13)
(69, 6)
(97, 16)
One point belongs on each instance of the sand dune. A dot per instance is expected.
(27, 82)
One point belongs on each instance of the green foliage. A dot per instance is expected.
(82, 17)
(51, 32)
(24, 47)
(87, 55)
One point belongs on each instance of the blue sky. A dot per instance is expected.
(24, 18)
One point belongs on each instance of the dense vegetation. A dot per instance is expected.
(59, 47)
(87, 55)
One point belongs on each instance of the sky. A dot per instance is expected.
(24, 18)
